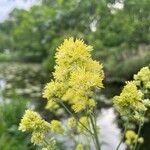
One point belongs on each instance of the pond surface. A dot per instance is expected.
(23, 79)
(28, 80)
(2, 87)
(110, 132)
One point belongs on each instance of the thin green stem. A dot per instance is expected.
(139, 131)
(97, 144)
(124, 132)
(91, 128)
(45, 142)
(139, 146)
(75, 117)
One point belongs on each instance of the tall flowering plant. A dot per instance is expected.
(75, 77)
(132, 104)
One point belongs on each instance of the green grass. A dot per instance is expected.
(11, 112)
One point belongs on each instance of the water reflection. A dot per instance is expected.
(110, 132)
(2, 86)
(23, 79)
(109, 135)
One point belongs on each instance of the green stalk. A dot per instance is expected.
(97, 144)
(139, 131)
(139, 146)
(124, 132)
(75, 117)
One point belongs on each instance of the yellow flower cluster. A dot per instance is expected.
(37, 137)
(83, 122)
(130, 103)
(133, 102)
(143, 78)
(79, 126)
(75, 76)
(33, 122)
(79, 147)
(56, 126)
(71, 123)
(51, 105)
(131, 138)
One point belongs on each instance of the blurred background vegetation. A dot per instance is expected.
(118, 30)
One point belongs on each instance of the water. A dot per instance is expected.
(2, 86)
(110, 132)
(24, 80)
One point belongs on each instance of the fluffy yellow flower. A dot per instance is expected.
(86, 79)
(142, 78)
(131, 138)
(53, 89)
(79, 104)
(72, 51)
(130, 103)
(52, 105)
(37, 137)
(75, 76)
(32, 121)
(56, 126)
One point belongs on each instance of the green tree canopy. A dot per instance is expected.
(115, 32)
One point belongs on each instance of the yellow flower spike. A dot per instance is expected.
(53, 89)
(143, 76)
(32, 121)
(56, 127)
(129, 103)
(72, 50)
(75, 76)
